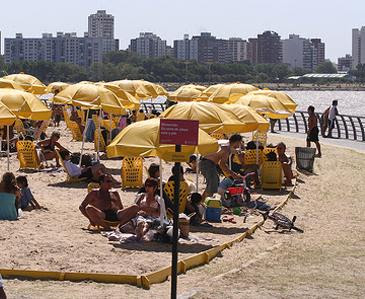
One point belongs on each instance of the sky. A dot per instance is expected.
(330, 20)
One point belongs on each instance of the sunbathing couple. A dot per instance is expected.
(103, 207)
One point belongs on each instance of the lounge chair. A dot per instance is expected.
(132, 172)
(183, 193)
(7, 207)
(27, 155)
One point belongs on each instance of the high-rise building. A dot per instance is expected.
(344, 64)
(297, 52)
(148, 44)
(318, 52)
(101, 24)
(182, 48)
(65, 47)
(358, 46)
(252, 50)
(269, 47)
(237, 49)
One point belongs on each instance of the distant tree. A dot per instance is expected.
(326, 67)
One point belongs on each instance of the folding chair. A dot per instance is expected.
(70, 178)
(183, 193)
(27, 155)
(132, 172)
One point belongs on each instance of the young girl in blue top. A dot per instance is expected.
(27, 200)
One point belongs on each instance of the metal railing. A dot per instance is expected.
(148, 107)
(346, 126)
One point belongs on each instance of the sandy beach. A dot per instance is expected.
(326, 261)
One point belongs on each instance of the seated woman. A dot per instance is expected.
(286, 163)
(48, 148)
(91, 173)
(9, 197)
(150, 208)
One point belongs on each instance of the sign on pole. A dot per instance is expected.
(178, 131)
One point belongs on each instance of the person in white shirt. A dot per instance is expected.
(332, 117)
(91, 173)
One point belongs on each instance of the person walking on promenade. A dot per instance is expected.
(312, 135)
(328, 119)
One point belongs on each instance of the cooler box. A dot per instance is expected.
(214, 209)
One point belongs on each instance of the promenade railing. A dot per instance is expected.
(346, 126)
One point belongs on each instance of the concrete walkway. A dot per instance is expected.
(356, 145)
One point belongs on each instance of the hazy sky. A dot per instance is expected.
(330, 20)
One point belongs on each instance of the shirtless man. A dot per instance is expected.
(208, 165)
(312, 135)
(103, 206)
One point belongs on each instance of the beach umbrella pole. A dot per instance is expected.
(84, 135)
(197, 175)
(175, 228)
(8, 145)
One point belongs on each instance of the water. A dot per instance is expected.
(349, 102)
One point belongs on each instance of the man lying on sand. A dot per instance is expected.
(103, 206)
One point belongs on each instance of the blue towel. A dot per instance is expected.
(7, 207)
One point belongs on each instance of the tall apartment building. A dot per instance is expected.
(101, 24)
(148, 44)
(318, 52)
(64, 47)
(344, 64)
(269, 47)
(358, 46)
(252, 50)
(182, 49)
(237, 49)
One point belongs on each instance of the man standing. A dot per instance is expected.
(332, 112)
(208, 165)
(312, 134)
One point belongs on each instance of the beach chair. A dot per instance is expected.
(19, 126)
(271, 175)
(98, 138)
(217, 135)
(250, 157)
(70, 178)
(75, 130)
(132, 172)
(260, 137)
(27, 155)
(267, 150)
(183, 193)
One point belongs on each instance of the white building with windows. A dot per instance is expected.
(101, 24)
(358, 46)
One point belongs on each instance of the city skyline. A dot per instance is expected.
(307, 19)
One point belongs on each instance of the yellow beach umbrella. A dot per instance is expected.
(206, 93)
(28, 82)
(229, 93)
(7, 118)
(198, 87)
(212, 117)
(52, 87)
(142, 139)
(153, 89)
(90, 96)
(185, 93)
(265, 105)
(127, 100)
(24, 104)
(6, 83)
(285, 99)
(134, 88)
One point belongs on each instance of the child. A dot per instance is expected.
(26, 198)
(194, 205)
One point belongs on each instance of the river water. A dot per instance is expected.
(349, 102)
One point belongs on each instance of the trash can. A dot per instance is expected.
(304, 157)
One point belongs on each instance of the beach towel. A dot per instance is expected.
(7, 207)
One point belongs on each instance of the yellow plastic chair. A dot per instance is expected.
(132, 172)
(260, 137)
(81, 114)
(250, 157)
(266, 151)
(99, 138)
(27, 155)
(271, 175)
(70, 178)
(217, 135)
(183, 193)
(75, 130)
(19, 127)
